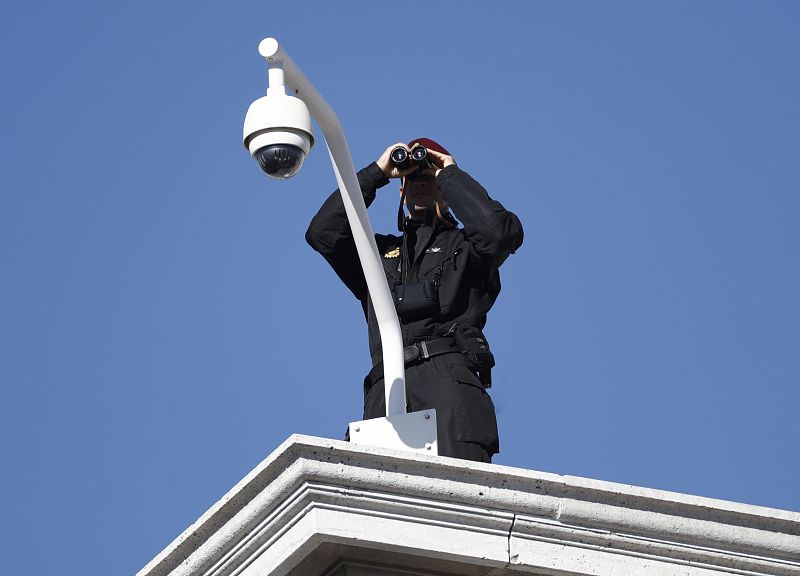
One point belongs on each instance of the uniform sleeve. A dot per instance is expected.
(493, 232)
(329, 232)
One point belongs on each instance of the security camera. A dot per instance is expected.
(277, 133)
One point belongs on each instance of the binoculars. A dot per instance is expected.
(418, 156)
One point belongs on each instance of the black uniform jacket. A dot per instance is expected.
(463, 262)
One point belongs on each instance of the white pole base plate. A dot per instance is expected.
(414, 432)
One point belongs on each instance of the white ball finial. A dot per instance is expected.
(268, 48)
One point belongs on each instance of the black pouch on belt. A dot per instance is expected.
(475, 348)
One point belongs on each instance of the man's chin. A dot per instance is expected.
(422, 209)
(423, 202)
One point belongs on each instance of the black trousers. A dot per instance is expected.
(465, 415)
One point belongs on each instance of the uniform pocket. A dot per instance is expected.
(475, 415)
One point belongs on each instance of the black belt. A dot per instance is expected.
(418, 352)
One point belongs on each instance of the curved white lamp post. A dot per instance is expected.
(277, 132)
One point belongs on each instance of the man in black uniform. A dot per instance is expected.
(444, 280)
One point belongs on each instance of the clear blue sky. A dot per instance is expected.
(163, 325)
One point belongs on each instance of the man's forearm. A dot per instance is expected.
(491, 229)
(330, 225)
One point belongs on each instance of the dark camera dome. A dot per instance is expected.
(280, 160)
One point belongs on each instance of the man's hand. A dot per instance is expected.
(389, 169)
(440, 161)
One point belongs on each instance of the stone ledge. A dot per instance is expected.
(313, 493)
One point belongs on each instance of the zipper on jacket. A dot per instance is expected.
(455, 254)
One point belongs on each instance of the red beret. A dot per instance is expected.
(430, 144)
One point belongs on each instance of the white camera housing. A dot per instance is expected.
(278, 133)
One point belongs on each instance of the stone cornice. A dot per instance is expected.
(312, 492)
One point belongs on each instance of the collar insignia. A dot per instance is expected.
(392, 253)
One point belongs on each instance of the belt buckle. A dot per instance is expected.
(423, 346)
(410, 353)
(416, 351)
